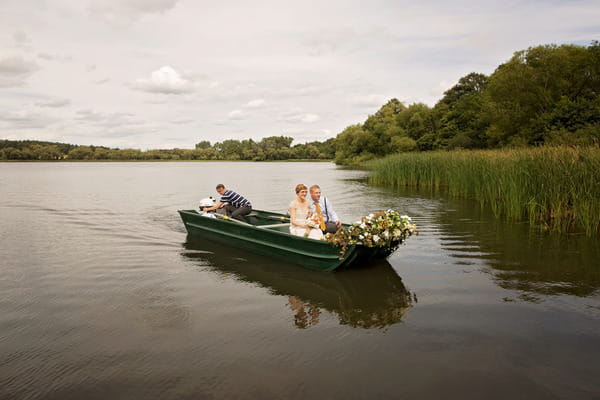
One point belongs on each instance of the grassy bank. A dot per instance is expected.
(558, 187)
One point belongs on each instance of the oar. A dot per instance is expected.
(284, 219)
(226, 218)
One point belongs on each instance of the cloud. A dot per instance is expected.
(22, 40)
(304, 91)
(237, 114)
(119, 124)
(14, 70)
(303, 134)
(258, 103)
(23, 119)
(438, 90)
(103, 119)
(369, 100)
(165, 80)
(297, 116)
(182, 121)
(54, 57)
(54, 103)
(127, 11)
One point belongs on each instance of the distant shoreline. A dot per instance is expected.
(161, 161)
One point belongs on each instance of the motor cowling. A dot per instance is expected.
(206, 203)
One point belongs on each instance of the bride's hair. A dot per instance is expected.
(300, 187)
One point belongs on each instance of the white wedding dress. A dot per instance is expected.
(301, 215)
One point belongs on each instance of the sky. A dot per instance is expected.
(163, 74)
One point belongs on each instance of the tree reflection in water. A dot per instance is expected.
(373, 296)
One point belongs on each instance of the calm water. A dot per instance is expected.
(103, 295)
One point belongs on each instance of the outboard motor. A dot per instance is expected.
(206, 203)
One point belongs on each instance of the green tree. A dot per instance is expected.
(462, 121)
(539, 89)
(204, 144)
(81, 153)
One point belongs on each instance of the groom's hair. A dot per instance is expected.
(313, 187)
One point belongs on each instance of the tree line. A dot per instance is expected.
(268, 149)
(543, 95)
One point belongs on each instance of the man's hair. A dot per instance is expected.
(313, 187)
(220, 186)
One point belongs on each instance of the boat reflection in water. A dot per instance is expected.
(370, 297)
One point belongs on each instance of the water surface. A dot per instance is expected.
(103, 295)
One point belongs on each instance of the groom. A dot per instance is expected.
(322, 208)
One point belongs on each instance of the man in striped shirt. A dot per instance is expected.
(236, 205)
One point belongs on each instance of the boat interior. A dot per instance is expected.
(276, 227)
(271, 222)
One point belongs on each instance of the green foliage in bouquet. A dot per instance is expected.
(383, 229)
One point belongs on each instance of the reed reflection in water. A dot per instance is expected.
(521, 257)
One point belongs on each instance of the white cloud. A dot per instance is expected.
(165, 80)
(297, 116)
(54, 57)
(439, 89)
(251, 63)
(113, 125)
(22, 40)
(369, 100)
(258, 103)
(104, 119)
(182, 121)
(54, 103)
(14, 70)
(304, 91)
(24, 119)
(237, 114)
(127, 11)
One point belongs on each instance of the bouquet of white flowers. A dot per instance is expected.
(383, 229)
(313, 223)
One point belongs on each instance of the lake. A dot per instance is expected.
(103, 295)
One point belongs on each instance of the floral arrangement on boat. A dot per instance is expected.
(385, 229)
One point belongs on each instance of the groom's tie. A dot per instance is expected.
(320, 215)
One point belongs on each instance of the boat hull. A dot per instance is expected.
(268, 233)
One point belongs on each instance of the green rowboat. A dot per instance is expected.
(268, 233)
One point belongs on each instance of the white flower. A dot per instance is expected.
(375, 238)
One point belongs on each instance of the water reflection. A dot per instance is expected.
(370, 297)
(520, 256)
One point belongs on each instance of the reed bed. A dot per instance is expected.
(558, 187)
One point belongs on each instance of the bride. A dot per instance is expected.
(299, 212)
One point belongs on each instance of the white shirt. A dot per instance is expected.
(326, 209)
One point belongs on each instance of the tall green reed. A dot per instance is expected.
(557, 187)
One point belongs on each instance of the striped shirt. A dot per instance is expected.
(234, 199)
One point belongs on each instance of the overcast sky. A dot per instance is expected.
(170, 73)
